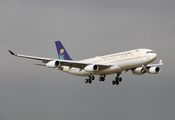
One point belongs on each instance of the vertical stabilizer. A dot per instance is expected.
(62, 53)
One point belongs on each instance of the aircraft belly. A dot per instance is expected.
(128, 64)
(145, 60)
(78, 72)
(111, 70)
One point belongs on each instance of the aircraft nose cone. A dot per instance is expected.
(154, 56)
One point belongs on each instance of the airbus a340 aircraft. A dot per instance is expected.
(137, 60)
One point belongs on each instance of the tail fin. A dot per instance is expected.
(62, 53)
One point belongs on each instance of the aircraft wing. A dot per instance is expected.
(68, 63)
(151, 65)
(81, 64)
(44, 60)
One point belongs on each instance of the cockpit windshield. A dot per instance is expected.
(150, 52)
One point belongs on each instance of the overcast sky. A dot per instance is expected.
(86, 28)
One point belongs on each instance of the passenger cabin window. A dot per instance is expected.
(149, 52)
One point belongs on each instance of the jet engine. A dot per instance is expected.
(153, 70)
(53, 64)
(138, 71)
(91, 68)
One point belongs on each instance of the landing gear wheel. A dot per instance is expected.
(116, 79)
(86, 80)
(90, 81)
(113, 82)
(92, 77)
(117, 82)
(120, 79)
(101, 78)
(89, 77)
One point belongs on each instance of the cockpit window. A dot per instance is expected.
(149, 52)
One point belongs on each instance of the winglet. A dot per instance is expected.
(11, 52)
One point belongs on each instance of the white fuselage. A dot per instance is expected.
(118, 61)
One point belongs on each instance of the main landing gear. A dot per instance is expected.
(117, 80)
(102, 78)
(89, 79)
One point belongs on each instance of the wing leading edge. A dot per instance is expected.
(45, 60)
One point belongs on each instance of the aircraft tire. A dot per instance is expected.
(103, 78)
(92, 77)
(117, 82)
(89, 78)
(116, 79)
(113, 82)
(100, 78)
(120, 79)
(86, 80)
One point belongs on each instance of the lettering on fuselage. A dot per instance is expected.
(109, 57)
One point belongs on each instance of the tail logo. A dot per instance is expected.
(61, 54)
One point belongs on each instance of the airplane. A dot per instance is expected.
(137, 60)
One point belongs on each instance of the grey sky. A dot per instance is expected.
(86, 29)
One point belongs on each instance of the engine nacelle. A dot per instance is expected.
(153, 70)
(138, 71)
(91, 68)
(53, 64)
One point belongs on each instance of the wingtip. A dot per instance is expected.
(12, 53)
